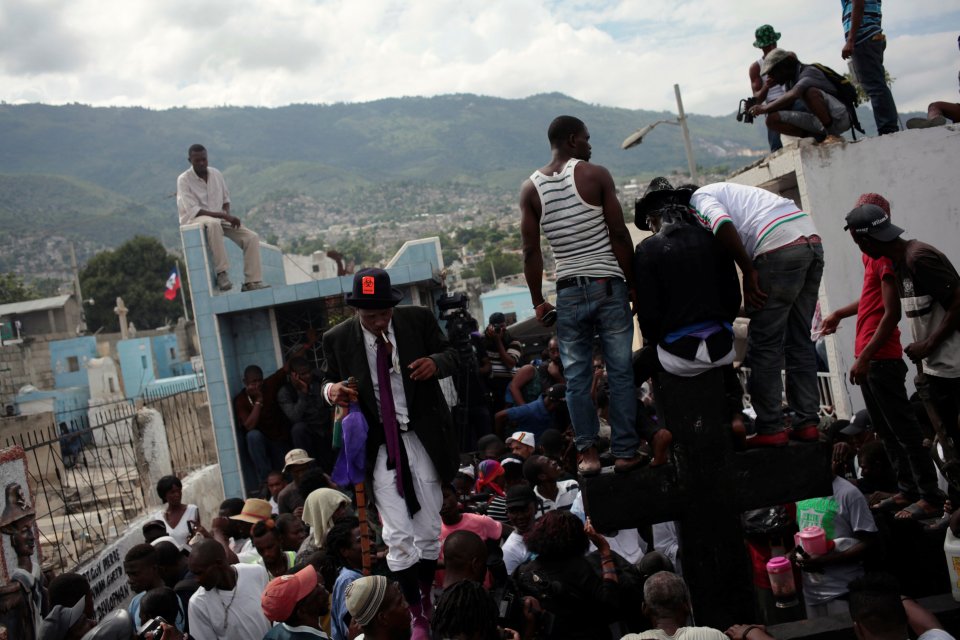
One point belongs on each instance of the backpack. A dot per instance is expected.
(846, 93)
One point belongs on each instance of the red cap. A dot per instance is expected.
(283, 593)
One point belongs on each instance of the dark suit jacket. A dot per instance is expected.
(417, 335)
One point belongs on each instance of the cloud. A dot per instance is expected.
(34, 39)
(253, 52)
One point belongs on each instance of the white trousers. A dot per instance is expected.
(409, 539)
(244, 237)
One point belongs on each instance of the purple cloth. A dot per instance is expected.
(388, 412)
(351, 462)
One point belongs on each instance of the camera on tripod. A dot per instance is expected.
(743, 112)
(460, 324)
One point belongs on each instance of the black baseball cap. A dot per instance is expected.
(872, 221)
(520, 495)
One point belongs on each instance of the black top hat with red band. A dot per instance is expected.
(372, 290)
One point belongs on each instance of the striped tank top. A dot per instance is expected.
(577, 231)
(871, 23)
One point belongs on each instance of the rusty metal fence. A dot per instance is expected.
(85, 475)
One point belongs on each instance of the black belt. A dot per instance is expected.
(578, 281)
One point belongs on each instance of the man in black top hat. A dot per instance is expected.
(410, 447)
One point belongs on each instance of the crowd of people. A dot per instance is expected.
(498, 541)
(372, 520)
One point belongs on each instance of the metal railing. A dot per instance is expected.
(86, 479)
(828, 406)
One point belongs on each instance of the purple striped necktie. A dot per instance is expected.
(388, 412)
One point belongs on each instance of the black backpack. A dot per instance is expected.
(846, 93)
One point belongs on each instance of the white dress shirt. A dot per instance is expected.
(194, 193)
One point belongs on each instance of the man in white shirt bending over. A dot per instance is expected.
(776, 246)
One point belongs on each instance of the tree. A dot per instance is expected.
(13, 289)
(136, 271)
(861, 92)
(505, 264)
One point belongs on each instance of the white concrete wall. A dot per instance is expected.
(203, 488)
(916, 170)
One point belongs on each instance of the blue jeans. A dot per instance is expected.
(779, 336)
(589, 311)
(868, 62)
(773, 138)
(266, 454)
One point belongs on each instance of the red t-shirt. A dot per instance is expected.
(870, 309)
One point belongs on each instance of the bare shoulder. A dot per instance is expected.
(527, 188)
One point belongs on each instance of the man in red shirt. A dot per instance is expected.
(880, 371)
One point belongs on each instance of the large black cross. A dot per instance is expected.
(705, 489)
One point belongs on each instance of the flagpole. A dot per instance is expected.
(183, 298)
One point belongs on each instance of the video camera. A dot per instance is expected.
(743, 112)
(460, 324)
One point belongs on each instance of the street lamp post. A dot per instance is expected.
(636, 137)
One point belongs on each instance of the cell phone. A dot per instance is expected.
(191, 527)
(549, 318)
(153, 629)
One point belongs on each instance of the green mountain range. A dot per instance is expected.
(97, 176)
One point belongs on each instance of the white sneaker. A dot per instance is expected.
(223, 281)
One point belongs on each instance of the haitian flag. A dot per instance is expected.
(173, 285)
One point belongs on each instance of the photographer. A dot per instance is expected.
(764, 88)
(503, 355)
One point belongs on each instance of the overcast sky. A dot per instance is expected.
(624, 53)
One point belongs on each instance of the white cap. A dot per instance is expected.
(523, 437)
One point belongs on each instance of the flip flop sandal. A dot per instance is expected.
(917, 512)
(896, 502)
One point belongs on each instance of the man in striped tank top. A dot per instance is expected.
(576, 204)
(777, 248)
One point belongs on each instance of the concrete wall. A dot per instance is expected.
(914, 169)
(136, 365)
(26, 363)
(105, 571)
(507, 300)
(166, 355)
(68, 359)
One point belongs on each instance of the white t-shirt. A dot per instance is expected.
(567, 492)
(239, 608)
(194, 194)
(514, 552)
(246, 552)
(763, 220)
(841, 516)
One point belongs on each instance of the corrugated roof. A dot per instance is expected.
(29, 306)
